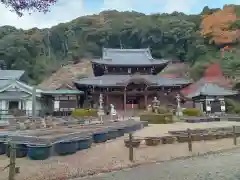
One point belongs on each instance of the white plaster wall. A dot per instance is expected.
(28, 105)
(19, 104)
(56, 105)
(3, 106)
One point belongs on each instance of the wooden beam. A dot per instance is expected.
(146, 100)
(34, 102)
(12, 149)
(125, 100)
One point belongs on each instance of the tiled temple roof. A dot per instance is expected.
(211, 89)
(122, 80)
(128, 57)
(11, 74)
(213, 83)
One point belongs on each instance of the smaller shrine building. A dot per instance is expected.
(210, 91)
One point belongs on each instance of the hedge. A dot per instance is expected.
(232, 106)
(153, 118)
(84, 112)
(163, 110)
(192, 112)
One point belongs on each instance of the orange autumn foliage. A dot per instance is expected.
(216, 26)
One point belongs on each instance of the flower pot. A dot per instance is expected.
(38, 152)
(151, 141)
(66, 147)
(135, 143)
(208, 137)
(21, 150)
(121, 131)
(168, 140)
(182, 139)
(84, 144)
(220, 135)
(197, 137)
(238, 134)
(112, 134)
(2, 148)
(229, 135)
(100, 137)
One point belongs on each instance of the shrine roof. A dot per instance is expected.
(129, 57)
(211, 89)
(213, 83)
(122, 80)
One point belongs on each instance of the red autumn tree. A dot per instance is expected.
(19, 6)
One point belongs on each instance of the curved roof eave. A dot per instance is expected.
(155, 63)
(105, 83)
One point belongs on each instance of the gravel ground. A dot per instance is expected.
(222, 166)
(106, 157)
(154, 130)
(109, 156)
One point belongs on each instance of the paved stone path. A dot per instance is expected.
(223, 166)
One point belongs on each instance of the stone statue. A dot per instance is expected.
(21, 126)
(149, 108)
(179, 109)
(43, 124)
(27, 123)
(155, 104)
(113, 112)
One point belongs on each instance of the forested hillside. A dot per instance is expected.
(195, 39)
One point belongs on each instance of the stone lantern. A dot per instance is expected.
(100, 108)
(155, 104)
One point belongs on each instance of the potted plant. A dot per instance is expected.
(152, 141)
(135, 143)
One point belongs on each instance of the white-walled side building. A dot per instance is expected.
(17, 95)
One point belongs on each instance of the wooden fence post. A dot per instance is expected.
(234, 136)
(130, 147)
(189, 140)
(12, 165)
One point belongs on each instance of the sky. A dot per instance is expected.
(67, 10)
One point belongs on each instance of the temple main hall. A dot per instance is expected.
(129, 79)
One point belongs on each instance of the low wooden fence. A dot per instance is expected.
(186, 136)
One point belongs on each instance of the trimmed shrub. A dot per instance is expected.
(192, 112)
(84, 112)
(163, 110)
(153, 118)
(232, 106)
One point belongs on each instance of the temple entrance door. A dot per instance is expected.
(135, 92)
(215, 106)
(132, 102)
